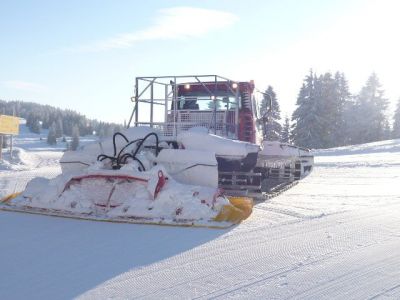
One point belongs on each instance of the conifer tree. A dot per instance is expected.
(350, 131)
(387, 131)
(331, 94)
(75, 138)
(59, 128)
(370, 109)
(51, 136)
(286, 131)
(307, 122)
(342, 99)
(35, 126)
(271, 117)
(396, 122)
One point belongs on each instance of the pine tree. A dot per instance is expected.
(59, 128)
(396, 122)
(307, 122)
(331, 94)
(350, 131)
(285, 138)
(75, 138)
(342, 99)
(101, 133)
(272, 128)
(387, 131)
(370, 109)
(33, 122)
(35, 126)
(51, 136)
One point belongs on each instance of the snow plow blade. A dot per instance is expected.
(240, 208)
(228, 217)
(193, 206)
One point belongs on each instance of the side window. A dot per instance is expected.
(190, 103)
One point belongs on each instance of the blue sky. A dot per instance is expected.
(84, 55)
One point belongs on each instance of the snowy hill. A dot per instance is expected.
(27, 147)
(392, 146)
(333, 236)
(34, 156)
(377, 154)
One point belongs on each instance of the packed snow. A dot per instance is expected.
(335, 235)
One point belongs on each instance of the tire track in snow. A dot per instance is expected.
(300, 267)
(352, 282)
(270, 258)
(319, 292)
(293, 213)
(386, 292)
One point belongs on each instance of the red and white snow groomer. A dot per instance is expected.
(192, 154)
(215, 114)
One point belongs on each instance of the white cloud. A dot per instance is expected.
(171, 23)
(24, 85)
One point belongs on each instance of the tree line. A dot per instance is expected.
(328, 115)
(59, 122)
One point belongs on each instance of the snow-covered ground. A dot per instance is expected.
(333, 236)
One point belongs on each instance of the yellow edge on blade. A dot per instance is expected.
(212, 225)
(9, 197)
(239, 209)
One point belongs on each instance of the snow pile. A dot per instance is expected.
(116, 194)
(20, 160)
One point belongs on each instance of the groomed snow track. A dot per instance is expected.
(333, 236)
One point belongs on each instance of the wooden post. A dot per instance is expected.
(11, 145)
(12, 137)
(1, 147)
(1, 138)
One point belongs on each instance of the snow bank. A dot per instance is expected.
(377, 154)
(121, 196)
(391, 146)
(20, 160)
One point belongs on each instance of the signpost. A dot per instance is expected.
(9, 125)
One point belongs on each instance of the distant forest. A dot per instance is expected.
(60, 122)
(328, 115)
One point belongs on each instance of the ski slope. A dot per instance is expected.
(335, 235)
